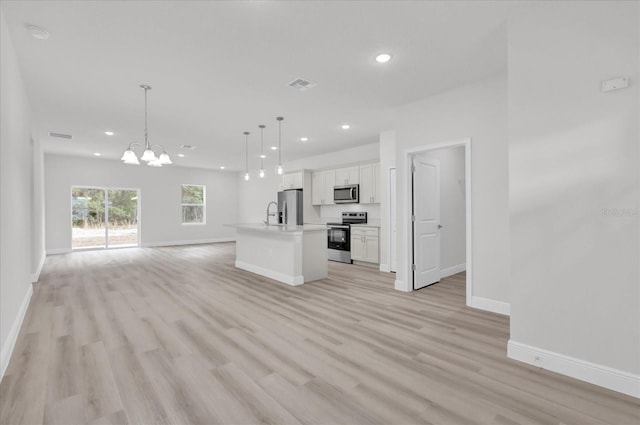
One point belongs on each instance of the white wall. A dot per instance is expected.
(387, 162)
(160, 195)
(452, 206)
(17, 170)
(573, 155)
(478, 111)
(256, 193)
(38, 250)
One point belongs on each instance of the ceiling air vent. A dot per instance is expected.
(60, 135)
(301, 84)
(188, 147)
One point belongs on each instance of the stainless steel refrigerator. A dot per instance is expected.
(290, 207)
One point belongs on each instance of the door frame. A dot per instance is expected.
(106, 237)
(408, 196)
(393, 205)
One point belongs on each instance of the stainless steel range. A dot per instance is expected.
(339, 236)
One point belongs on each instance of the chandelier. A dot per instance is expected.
(149, 155)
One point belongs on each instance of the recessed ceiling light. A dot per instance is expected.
(383, 58)
(109, 133)
(274, 148)
(37, 32)
(263, 156)
(97, 154)
(345, 126)
(222, 167)
(304, 139)
(181, 155)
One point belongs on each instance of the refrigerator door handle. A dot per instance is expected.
(286, 215)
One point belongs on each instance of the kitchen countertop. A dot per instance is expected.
(279, 228)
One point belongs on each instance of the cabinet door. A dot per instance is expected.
(370, 184)
(366, 184)
(371, 249)
(292, 181)
(375, 195)
(317, 188)
(357, 248)
(341, 176)
(353, 175)
(297, 180)
(329, 183)
(347, 175)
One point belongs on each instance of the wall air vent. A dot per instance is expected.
(301, 84)
(187, 147)
(60, 135)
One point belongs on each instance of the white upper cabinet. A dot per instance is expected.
(293, 180)
(347, 175)
(322, 183)
(370, 184)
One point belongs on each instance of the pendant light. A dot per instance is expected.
(246, 156)
(262, 155)
(129, 156)
(279, 169)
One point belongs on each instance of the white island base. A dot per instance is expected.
(290, 254)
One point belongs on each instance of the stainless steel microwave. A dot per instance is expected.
(349, 194)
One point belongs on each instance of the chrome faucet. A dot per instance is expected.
(270, 214)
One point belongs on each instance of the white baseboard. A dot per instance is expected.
(493, 306)
(36, 275)
(385, 268)
(280, 277)
(450, 271)
(12, 337)
(58, 251)
(603, 376)
(400, 285)
(190, 242)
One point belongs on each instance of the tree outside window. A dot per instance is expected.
(193, 204)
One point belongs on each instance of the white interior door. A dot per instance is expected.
(426, 221)
(392, 220)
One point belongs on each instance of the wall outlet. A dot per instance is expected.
(615, 84)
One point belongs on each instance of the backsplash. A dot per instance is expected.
(335, 211)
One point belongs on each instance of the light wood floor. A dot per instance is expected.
(178, 335)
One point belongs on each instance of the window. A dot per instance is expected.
(193, 204)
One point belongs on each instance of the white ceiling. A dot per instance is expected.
(220, 68)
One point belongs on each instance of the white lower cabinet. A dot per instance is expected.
(365, 244)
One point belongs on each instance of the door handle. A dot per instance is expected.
(440, 226)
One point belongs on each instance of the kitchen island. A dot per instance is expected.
(290, 254)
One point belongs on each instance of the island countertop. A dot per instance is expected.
(279, 228)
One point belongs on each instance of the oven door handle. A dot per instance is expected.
(337, 227)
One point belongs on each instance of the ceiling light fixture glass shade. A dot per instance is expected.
(246, 156)
(129, 156)
(164, 159)
(262, 155)
(279, 168)
(149, 155)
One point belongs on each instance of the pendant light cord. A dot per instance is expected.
(246, 151)
(279, 140)
(261, 146)
(146, 132)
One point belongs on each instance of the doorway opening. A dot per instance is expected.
(439, 209)
(103, 218)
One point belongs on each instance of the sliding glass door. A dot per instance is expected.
(104, 218)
